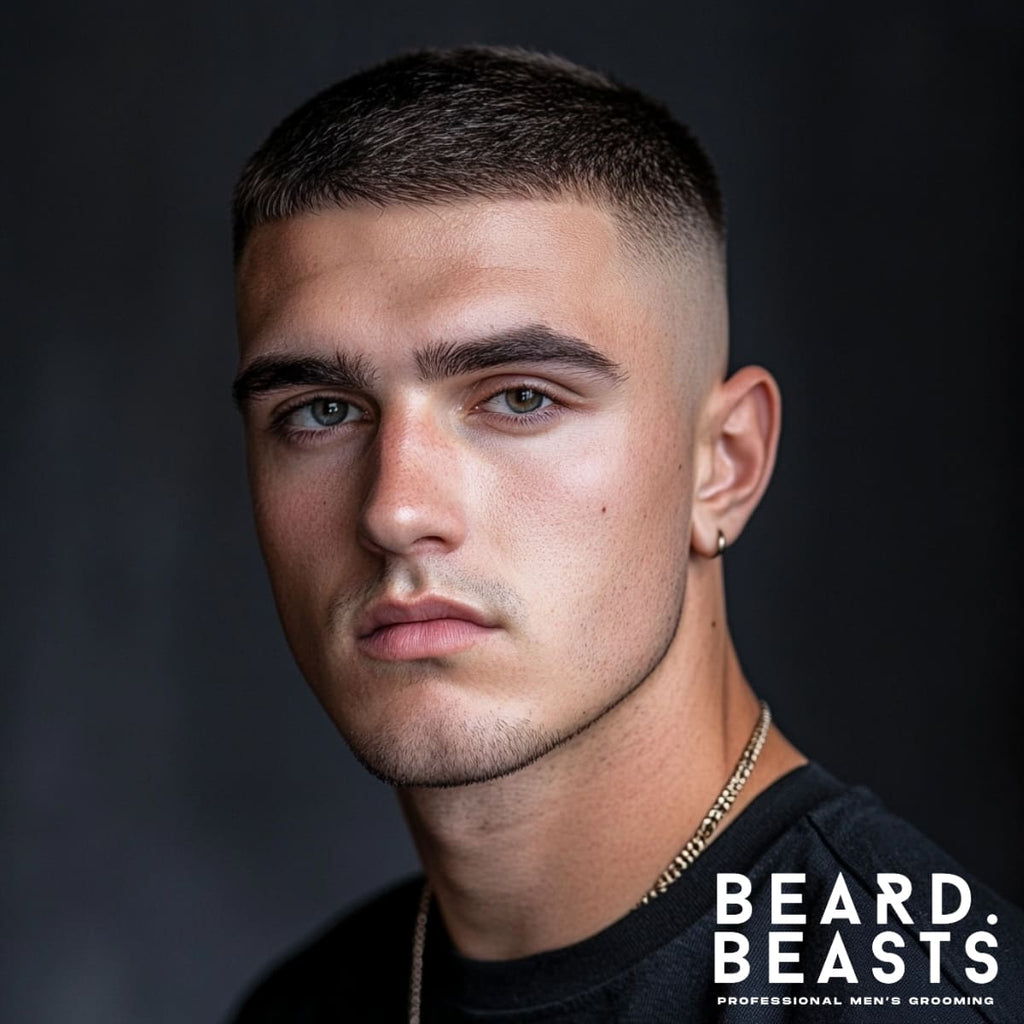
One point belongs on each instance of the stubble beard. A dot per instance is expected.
(447, 753)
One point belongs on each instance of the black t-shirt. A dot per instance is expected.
(657, 964)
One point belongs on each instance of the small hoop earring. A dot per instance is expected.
(721, 544)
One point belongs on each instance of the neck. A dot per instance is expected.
(559, 850)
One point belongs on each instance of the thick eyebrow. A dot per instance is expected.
(270, 373)
(535, 343)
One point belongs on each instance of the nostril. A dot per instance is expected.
(408, 510)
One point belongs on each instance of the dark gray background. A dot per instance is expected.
(175, 807)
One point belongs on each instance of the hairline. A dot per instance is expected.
(646, 239)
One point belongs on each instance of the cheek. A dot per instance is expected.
(300, 514)
(598, 526)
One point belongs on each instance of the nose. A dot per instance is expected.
(415, 501)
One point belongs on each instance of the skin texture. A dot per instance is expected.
(554, 762)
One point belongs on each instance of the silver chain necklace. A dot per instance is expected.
(686, 856)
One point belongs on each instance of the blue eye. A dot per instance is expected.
(328, 411)
(321, 414)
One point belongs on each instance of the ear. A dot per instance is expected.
(739, 435)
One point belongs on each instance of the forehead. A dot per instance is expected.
(426, 273)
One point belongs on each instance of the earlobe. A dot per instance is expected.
(720, 545)
(740, 432)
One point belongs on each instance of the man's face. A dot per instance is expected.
(470, 437)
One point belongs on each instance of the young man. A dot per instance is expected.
(495, 459)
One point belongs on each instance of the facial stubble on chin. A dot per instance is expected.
(438, 759)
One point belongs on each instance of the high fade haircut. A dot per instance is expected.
(480, 122)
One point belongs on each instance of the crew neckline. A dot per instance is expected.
(556, 975)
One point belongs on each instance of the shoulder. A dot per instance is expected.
(357, 968)
(850, 831)
(861, 899)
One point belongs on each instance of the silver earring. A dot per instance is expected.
(721, 544)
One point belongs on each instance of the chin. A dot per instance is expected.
(443, 750)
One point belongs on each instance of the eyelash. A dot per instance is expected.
(526, 419)
(279, 424)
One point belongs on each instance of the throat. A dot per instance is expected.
(555, 853)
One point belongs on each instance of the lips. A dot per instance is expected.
(428, 628)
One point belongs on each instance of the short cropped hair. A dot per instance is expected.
(440, 126)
